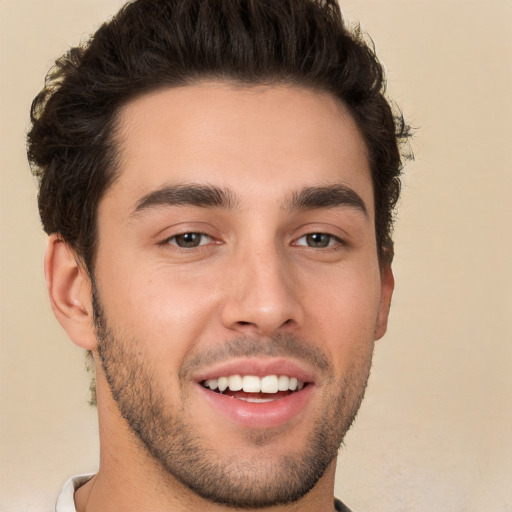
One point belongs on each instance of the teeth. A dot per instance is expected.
(235, 383)
(270, 384)
(253, 384)
(213, 384)
(257, 400)
(223, 383)
(283, 384)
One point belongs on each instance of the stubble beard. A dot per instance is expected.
(178, 449)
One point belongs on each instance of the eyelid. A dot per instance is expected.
(337, 240)
(184, 226)
(169, 239)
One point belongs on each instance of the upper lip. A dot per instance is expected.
(257, 366)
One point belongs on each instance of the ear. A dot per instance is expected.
(69, 288)
(387, 286)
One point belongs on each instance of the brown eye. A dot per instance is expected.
(189, 240)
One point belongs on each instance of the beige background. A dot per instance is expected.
(434, 433)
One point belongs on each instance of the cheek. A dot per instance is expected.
(345, 312)
(157, 306)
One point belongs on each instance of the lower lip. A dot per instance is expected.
(260, 415)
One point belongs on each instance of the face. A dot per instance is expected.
(238, 293)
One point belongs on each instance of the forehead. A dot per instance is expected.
(268, 141)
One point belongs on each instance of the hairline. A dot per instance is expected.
(114, 138)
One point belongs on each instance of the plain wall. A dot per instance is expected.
(434, 433)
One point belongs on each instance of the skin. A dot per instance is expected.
(254, 277)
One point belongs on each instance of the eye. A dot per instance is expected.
(318, 240)
(189, 240)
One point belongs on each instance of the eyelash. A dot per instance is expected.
(169, 241)
(332, 242)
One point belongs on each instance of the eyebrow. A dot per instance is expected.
(330, 196)
(206, 196)
(210, 196)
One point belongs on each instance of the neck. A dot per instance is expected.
(109, 494)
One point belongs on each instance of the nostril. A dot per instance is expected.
(245, 323)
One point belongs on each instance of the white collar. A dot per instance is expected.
(66, 501)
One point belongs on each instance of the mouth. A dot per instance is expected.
(255, 389)
(261, 394)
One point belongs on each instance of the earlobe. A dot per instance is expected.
(69, 289)
(387, 286)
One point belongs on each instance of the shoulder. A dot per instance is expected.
(340, 507)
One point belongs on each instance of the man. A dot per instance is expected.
(218, 179)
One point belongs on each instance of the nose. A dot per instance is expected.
(261, 294)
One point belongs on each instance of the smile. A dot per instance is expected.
(271, 384)
(258, 397)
